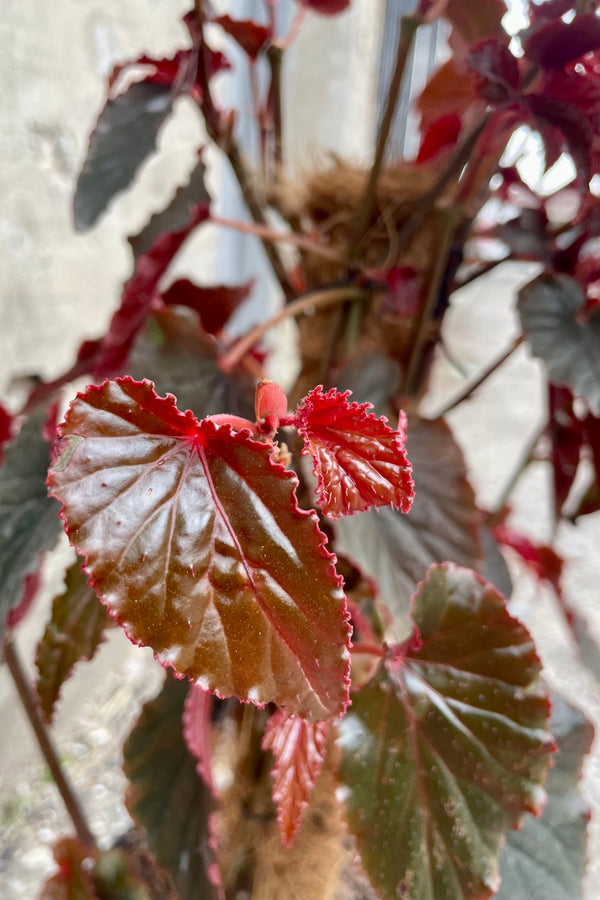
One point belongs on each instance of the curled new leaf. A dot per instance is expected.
(299, 750)
(359, 460)
(446, 747)
(194, 539)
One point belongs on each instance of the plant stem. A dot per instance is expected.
(408, 29)
(46, 745)
(473, 276)
(370, 649)
(489, 370)
(223, 138)
(325, 297)
(457, 163)
(526, 457)
(275, 57)
(266, 233)
(449, 220)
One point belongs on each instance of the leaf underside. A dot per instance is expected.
(549, 307)
(359, 460)
(125, 134)
(29, 522)
(546, 859)
(167, 797)
(446, 748)
(74, 632)
(193, 538)
(396, 550)
(299, 749)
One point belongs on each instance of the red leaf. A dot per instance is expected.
(543, 561)
(248, 34)
(326, 7)
(548, 10)
(270, 404)
(575, 129)
(450, 91)
(194, 540)
(567, 434)
(31, 585)
(196, 730)
(214, 305)
(496, 70)
(358, 459)
(138, 294)
(6, 422)
(441, 135)
(299, 749)
(557, 43)
(475, 20)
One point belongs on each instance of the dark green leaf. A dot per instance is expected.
(446, 747)
(29, 522)
(74, 632)
(180, 359)
(166, 795)
(176, 215)
(125, 134)
(550, 308)
(395, 549)
(546, 859)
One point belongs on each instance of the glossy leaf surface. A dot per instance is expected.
(167, 797)
(549, 307)
(359, 460)
(125, 134)
(299, 749)
(74, 632)
(546, 859)
(446, 748)
(29, 521)
(193, 537)
(396, 550)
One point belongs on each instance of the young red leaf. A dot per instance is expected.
(446, 747)
(74, 632)
(358, 459)
(326, 7)
(299, 749)
(194, 539)
(556, 43)
(196, 730)
(214, 304)
(251, 36)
